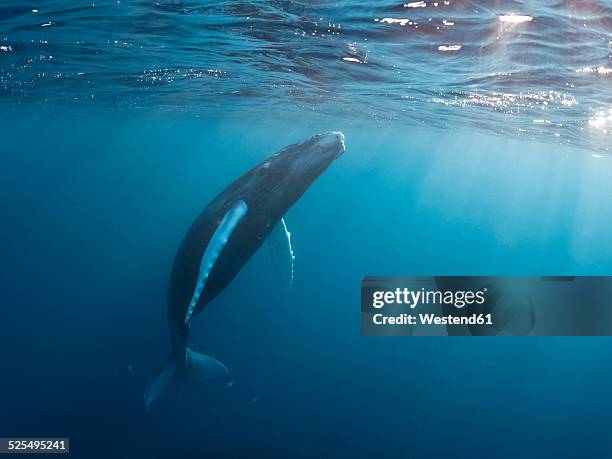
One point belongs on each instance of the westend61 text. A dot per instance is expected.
(432, 319)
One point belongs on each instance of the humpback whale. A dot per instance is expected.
(224, 237)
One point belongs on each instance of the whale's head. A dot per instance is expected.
(326, 146)
(283, 178)
(311, 157)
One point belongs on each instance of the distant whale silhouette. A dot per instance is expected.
(224, 237)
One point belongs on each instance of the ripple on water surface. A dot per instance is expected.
(541, 71)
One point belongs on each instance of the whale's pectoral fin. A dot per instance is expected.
(203, 368)
(281, 251)
(220, 237)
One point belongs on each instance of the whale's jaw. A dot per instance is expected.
(312, 157)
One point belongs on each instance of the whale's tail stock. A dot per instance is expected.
(187, 364)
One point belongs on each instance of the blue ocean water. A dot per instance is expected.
(477, 143)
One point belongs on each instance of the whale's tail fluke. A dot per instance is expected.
(195, 365)
(160, 382)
